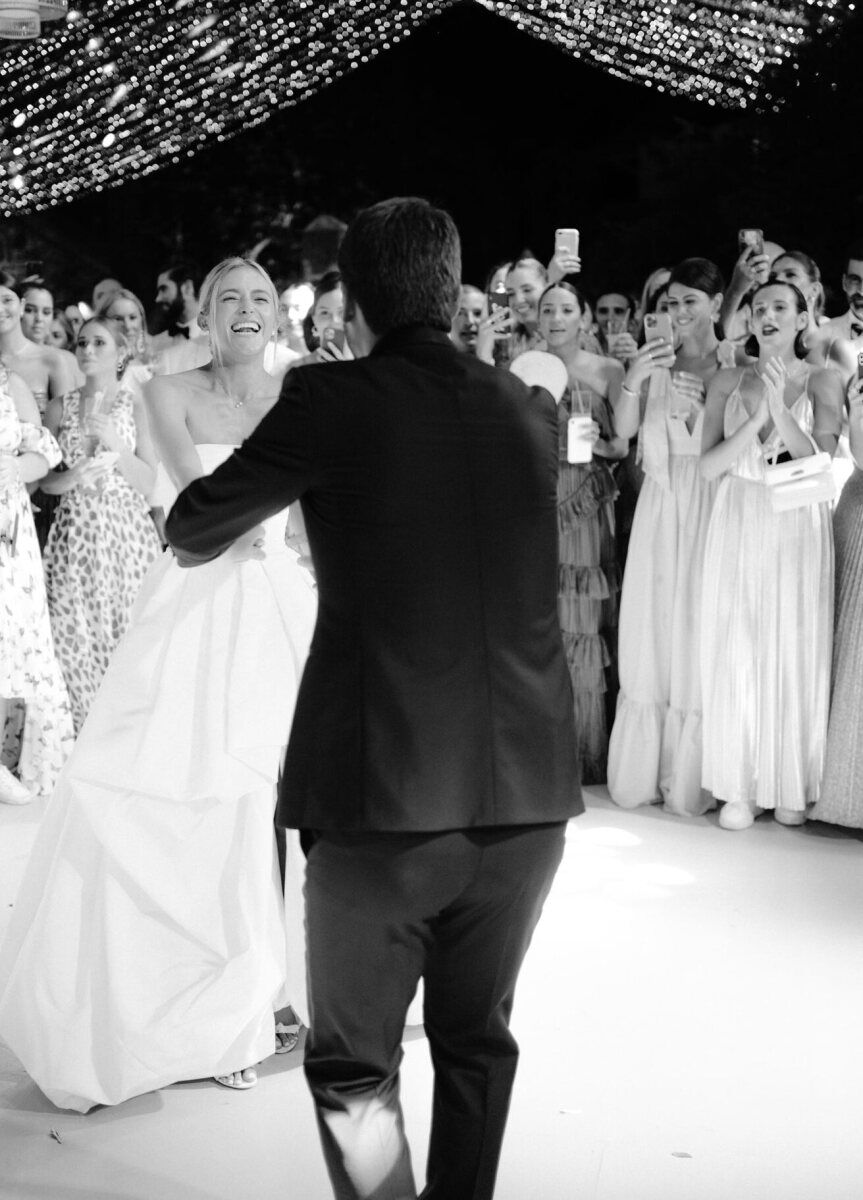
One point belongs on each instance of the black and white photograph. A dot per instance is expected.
(431, 600)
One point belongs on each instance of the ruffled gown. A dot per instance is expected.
(767, 624)
(588, 584)
(150, 942)
(29, 670)
(656, 741)
(841, 798)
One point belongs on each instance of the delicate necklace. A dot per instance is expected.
(236, 401)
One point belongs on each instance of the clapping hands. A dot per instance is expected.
(771, 406)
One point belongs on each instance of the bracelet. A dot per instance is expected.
(624, 387)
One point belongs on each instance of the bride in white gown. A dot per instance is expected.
(150, 943)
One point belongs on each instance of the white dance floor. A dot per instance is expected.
(691, 1024)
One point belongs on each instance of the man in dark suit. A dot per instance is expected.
(432, 761)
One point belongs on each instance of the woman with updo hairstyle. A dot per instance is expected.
(510, 331)
(126, 309)
(37, 309)
(588, 580)
(767, 611)
(656, 740)
(102, 540)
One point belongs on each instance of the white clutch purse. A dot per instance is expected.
(800, 481)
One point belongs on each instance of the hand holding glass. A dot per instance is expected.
(581, 430)
(687, 390)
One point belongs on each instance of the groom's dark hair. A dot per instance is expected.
(401, 263)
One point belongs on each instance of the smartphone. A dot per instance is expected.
(657, 328)
(751, 239)
(330, 336)
(566, 242)
(860, 364)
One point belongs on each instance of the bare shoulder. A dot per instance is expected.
(22, 396)
(725, 380)
(184, 387)
(825, 382)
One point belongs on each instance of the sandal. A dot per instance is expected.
(287, 1037)
(237, 1080)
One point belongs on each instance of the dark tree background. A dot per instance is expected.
(515, 138)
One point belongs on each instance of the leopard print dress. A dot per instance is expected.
(99, 549)
(37, 738)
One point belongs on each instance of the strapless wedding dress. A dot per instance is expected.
(150, 942)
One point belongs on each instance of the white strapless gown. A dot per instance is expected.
(150, 942)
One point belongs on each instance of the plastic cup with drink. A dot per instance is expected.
(102, 405)
(613, 329)
(579, 430)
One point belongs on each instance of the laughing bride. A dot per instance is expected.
(150, 942)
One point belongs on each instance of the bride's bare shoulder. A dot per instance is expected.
(186, 387)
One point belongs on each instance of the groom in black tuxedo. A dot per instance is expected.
(432, 761)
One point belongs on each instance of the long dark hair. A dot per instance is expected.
(698, 273)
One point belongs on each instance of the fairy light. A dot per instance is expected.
(120, 88)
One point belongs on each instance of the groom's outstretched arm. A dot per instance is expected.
(269, 471)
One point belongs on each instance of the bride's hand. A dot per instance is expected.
(249, 546)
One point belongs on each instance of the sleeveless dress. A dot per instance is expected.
(767, 623)
(588, 583)
(655, 746)
(841, 799)
(148, 943)
(28, 665)
(99, 549)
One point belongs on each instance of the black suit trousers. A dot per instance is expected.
(382, 909)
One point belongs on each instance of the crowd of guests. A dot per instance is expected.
(698, 565)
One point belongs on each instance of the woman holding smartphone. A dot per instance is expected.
(508, 332)
(588, 580)
(655, 746)
(325, 323)
(767, 612)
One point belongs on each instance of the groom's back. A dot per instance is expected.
(436, 695)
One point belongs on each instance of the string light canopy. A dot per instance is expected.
(124, 87)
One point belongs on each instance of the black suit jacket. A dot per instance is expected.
(436, 695)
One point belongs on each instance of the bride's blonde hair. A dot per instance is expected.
(210, 287)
